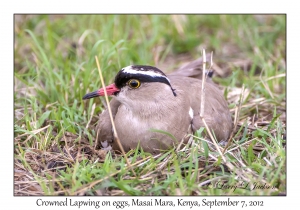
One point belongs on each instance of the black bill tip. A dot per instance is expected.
(91, 95)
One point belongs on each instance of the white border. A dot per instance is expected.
(193, 6)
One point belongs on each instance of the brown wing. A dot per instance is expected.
(192, 69)
(216, 112)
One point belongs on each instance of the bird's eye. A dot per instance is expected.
(134, 83)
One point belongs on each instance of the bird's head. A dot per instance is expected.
(134, 81)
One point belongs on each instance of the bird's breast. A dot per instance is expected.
(148, 127)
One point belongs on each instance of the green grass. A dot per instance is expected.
(54, 128)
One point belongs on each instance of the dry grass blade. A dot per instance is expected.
(203, 102)
(265, 85)
(111, 117)
(236, 119)
(93, 109)
(275, 77)
(203, 86)
(66, 145)
(96, 143)
(228, 164)
(178, 23)
(34, 133)
(213, 140)
(239, 146)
